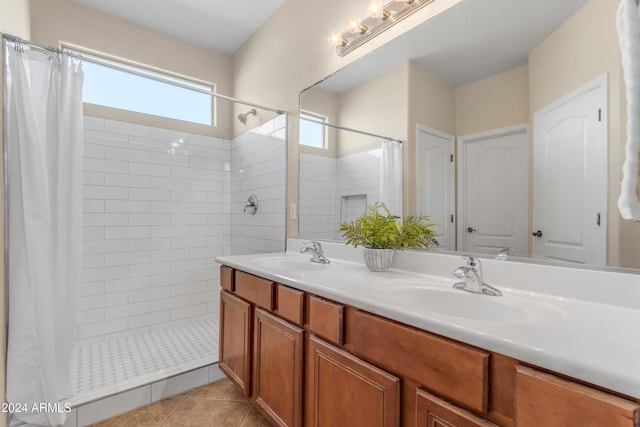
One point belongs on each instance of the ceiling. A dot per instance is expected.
(472, 40)
(219, 25)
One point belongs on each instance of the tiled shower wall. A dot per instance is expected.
(258, 164)
(156, 214)
(323, 183)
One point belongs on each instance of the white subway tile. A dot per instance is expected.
(149, 219)
(149, 194)
(169, 183)
(92, 178)
(127, 258)
(102, 165)
(188, 242)
(93, 151)
(188, 196)
(92, 261)
(169, 303)
(90, 316)
(126, 232)
(201, 253)
(117, 153)
(169, 135)
(149, 244)
(149, 144)
(125, 285)
(104, 246)
(185, 312)
(90, 288)
(126, 180)
(186, 265)
(169, 230)
(92, 123)
(101, 328)
(92, 206)
(203, 275)
(202, 298)
(126, 206)
(169, 207)
(149, 269)
(126, 128)
(150, 294)
(101, 192)
(188, 288)
(126, 310)
(103, 273)
(111, 140)
(188, 219)
(183, 172)
(169, 255)
(149, 169)
(149, 319)
(100, 301)
(168, 159)
(169, 279)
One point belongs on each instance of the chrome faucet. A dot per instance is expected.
(316, 251)
(504, 254)
(473, 281)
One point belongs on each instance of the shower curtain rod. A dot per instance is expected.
(115, 66)
(350, 129)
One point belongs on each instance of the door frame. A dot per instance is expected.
(461, 168)
(452, 177)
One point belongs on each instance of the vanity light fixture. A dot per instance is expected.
(380, 16)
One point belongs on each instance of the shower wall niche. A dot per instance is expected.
(159, 206)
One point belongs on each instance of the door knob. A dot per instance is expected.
(537, 234)
(471, 230)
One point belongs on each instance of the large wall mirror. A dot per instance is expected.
(512, 123)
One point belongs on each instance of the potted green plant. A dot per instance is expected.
(381, 233)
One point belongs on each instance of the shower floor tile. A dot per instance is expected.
(100, 369)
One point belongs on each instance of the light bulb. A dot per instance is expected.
(355, 26)
(376, 10)
(336, 39)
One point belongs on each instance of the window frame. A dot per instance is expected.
(321, 120)
(152, 73)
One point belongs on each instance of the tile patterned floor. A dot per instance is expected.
(215, 405)
(170, 351)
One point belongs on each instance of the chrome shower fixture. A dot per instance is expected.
(243, 117)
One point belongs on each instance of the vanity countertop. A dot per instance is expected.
(584, 338)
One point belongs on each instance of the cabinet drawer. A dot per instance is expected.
(290, 304)
(454, 370)
(226, 278)
(546, 400)
(255, 289)
(326, 319)
(432, 411)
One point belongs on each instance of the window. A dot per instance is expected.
(313, 132)
(128, 87)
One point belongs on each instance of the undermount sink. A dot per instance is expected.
(457, 303)
(289, 263)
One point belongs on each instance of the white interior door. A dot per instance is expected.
(570, 177)
(493, 195)
(435, 181)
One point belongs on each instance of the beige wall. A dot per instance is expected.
(431, 103)
(65, 21)
(290, 53)
(380, 106)
(324, 103)
(14, 20)
(572, 56)
(492, 103)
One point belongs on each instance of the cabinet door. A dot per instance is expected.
(546, 400)
(277, 373)
(235, 340)
(347, 391)
(432, 411)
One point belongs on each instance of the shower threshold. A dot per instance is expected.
(122, 374)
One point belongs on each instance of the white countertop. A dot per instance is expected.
(574, 327)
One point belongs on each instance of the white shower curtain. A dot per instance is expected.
(44, 148)
(391, 176)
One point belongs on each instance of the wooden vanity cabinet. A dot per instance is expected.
(347, 391)
(432, 411)
(260, 352)
(235, 340)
